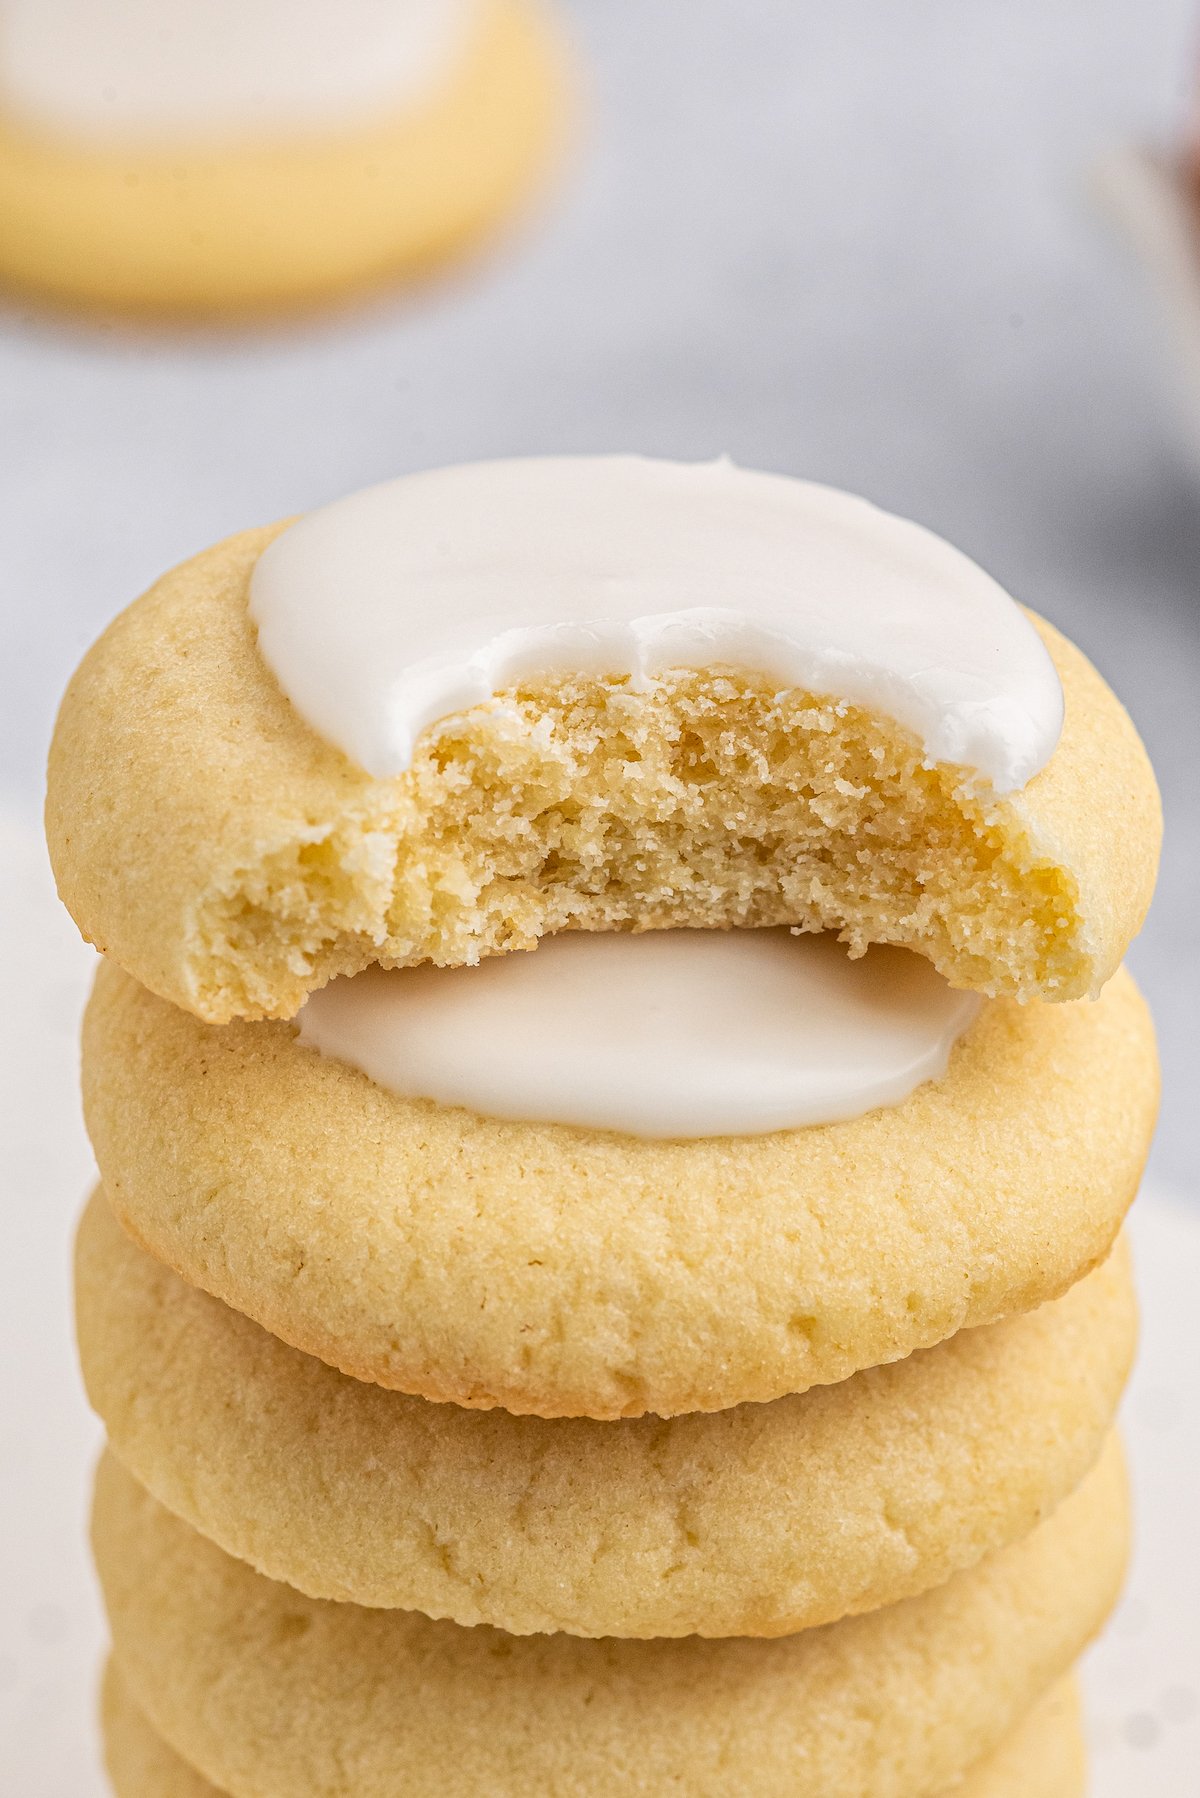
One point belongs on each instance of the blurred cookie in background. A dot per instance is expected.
(213, 157)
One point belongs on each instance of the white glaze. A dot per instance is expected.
(176, 70)
(394, 608)
(671, 1033)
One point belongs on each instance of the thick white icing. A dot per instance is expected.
(196, 69)
(389, 610)
(671, 1033)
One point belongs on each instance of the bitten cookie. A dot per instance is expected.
(222, 851)
(1042, 1758)
(170, 220)
(569, 1272)
(266, 1691)
(758, 1521)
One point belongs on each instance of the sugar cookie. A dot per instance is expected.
(569, 1272)
(267, 1691)
(277, 208)
(208, 838)
(1043, 1757)
(757, 1521)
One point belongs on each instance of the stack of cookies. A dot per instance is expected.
(682, 1359)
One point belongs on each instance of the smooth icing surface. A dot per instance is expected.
(671, 1033)
(172, 69)
(400, 605)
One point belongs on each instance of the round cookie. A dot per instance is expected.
(212, 843)
(257, 223)
(1042, 1758)
(137, 1760)
(268, 1692)
(762, 1520)
(567, 1272)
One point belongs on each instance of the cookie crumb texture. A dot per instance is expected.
(232, 861)
(268, 1692)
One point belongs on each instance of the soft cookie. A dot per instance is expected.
(250, 154)
(467, 709)
(567, 1271)
(757, 1521)
(266, 1691)
(1043, 1757)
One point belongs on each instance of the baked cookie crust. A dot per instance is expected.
(569, 1272)
(758, 1521)
(266, 1691)
(212, 844)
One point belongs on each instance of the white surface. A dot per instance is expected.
(673, 1033)
(1143, 1680)
(50, 1628)
(166, 71)
(388, 610)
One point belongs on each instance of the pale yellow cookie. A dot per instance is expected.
(138, 1762)
(200, 229)
(273, 1695)
(569, 1272)
(758, 1521)
(231, 860)
(1042, 1758)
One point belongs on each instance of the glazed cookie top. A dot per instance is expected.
(1042, 1758)
(387, 612)
(205, 70)
(678, 696)
(667, 1033)
(566, 1271)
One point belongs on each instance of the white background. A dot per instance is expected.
(854, 241)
